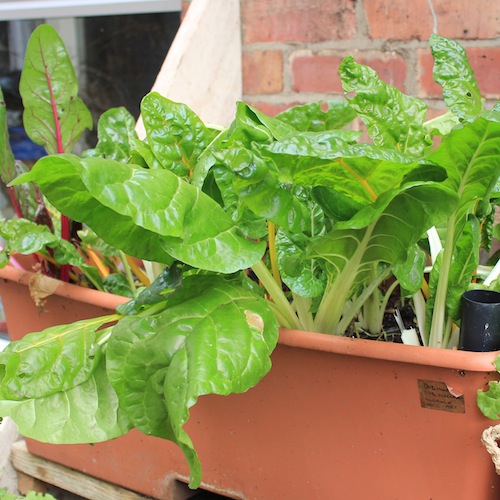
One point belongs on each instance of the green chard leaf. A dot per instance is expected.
(453, 72)
(303, 276)
(318, 116)
(214, 341)
(86, 413)
(24, 198)
(359, 172)
(54, 116)
(55, 360)
(256, 183)
(150, 214)
(115, 134)
(176, 135)
(383, 232)
(471, 156)
(7, 161)
(393, 119)
(26, 237)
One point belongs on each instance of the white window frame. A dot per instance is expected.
(46, 9)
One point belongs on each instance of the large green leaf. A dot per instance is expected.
(385, 232)
(148, 213)
(453, 72)
(359, 172)
(471, 156)
(393, 119)
(55, 360)
(215, 339)
(54, 116)
(87, 413)
(175, 133)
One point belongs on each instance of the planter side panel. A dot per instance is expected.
(320, 425)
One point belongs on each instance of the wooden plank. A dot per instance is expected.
(203, 66)
(26, 483)
(66, 478)
(8, 435)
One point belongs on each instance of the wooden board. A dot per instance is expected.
(65, 478)
(203, 66)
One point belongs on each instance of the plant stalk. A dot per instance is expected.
(437, 334)
(128, 273)
(276, 294)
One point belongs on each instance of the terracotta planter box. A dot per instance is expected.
(335, 418)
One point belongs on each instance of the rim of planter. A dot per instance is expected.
(389, 351)
(88, 295)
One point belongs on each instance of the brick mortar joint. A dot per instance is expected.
(297, 97)
(384, 45)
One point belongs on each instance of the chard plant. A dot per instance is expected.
(288, 221)
(55, 118)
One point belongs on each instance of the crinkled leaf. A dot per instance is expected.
(72, 198)
(66, 253)
(115, 133)
(217, 341)
(247, 128)
(257, 185)
(54, 116)
(148, 213)
(443, 124)
(26, 237)
(142, 155)
(453, 72)
(318, 116)
(175, 133)
(87, 413)
(54, 360)
(393, 119)
(304, 277)
(207, 160)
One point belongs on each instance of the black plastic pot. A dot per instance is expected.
(480, 321)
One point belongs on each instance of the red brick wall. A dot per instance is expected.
(292, 48)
